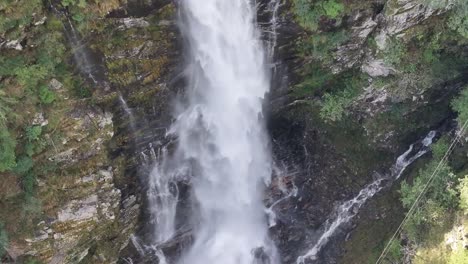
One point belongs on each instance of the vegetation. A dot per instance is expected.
(3, 240)
(445, 200)
(460, 105)
(7, 150)
(334, 105)
(24, 93)
(459, 19)
(308, 13)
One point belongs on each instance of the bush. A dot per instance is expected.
(5, 103)
(395, 52)
(441, 190)
(7, 150)
(440, 198)
(460, 105)
(30, 76)
(33, 133)
(308, 14)
(395, 253)
(458, 21)
(23, 165)
(46, 95)
(463, 189)
(332, 8)
(334, 105)
(320, 46)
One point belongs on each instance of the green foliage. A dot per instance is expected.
(51, 50)
(441, 196)
(7, 150)
(395, 51)
(46, 95)
(458, 256)
(29, 183)
(332, 8)
(463, 189)
(441, 189)
(395, 253)
(3, 240)
(23, 165)
(314, 79)
(458, 21)
(308, 13)
(440, 148)
(334, 105)
(460, 105)
(319, 46)
(8, 65)
(16, 15)
(79, 3)
(305, 15)
(33, 133)
(5, 103)
(30, 76)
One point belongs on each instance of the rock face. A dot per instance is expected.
(400, 15)
(95, 203)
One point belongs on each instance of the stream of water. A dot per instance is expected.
(347, 210)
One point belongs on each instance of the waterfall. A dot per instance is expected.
(128, 111)
(222, 134)
(222, 145)
(347, 210)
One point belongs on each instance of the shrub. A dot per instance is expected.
(319, 46)
(7, 150)
(5, 103)
(463, 189)
(33, 133)
(334, 105)
(23, 165)
(440, 197)
(395, 253)
(460, 105)
(395, 52)
(458, 21)
(332, 8)
(46, 95)
(30, 76)
(308, 14)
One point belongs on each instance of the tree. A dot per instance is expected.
(460, 105)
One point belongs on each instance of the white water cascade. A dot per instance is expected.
(222, 143)
(347, 210)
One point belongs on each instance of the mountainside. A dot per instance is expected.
(87, 94)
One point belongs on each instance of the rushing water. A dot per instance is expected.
(347, 210)
(222, 144)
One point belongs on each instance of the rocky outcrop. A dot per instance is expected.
(401, 15)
